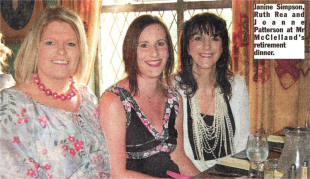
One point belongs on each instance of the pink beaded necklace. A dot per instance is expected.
(71, 92)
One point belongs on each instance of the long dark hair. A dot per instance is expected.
(210, 24)
(130, 49)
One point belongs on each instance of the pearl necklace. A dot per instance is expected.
(68, 96)
(202, 133)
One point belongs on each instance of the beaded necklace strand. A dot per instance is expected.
(48, 92)
(202, 133)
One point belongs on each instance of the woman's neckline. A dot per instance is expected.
(143, 114)
(47, 106)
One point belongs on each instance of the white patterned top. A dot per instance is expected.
(39, 141)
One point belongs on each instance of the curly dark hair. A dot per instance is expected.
(210, 24)
(130, 49)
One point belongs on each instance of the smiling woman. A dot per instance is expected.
(152, 53)
(110, 68)
(58, 55)
(49, 119)
(141, 115)
(216, 116)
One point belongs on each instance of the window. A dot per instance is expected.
(116, 18)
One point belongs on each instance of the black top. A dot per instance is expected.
(209, 121)
(148, 151)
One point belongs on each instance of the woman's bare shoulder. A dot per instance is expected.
(109, 99)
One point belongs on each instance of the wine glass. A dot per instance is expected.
(257, 152)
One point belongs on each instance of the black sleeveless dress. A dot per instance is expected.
(148, 151)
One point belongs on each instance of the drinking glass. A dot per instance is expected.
(257, 152)
(272, 170)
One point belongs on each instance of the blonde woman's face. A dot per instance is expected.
(59, 51)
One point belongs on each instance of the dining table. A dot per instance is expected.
(237, 165)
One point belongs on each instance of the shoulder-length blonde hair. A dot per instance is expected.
(27, 57)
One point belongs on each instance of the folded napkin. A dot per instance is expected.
(275, 139)
(235, 163)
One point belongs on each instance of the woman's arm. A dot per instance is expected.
(185, 165)
(113, 122)
(240, 109)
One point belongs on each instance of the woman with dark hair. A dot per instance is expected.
(141, 118)
(215, 101)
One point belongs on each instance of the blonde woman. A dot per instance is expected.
(49, 125)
